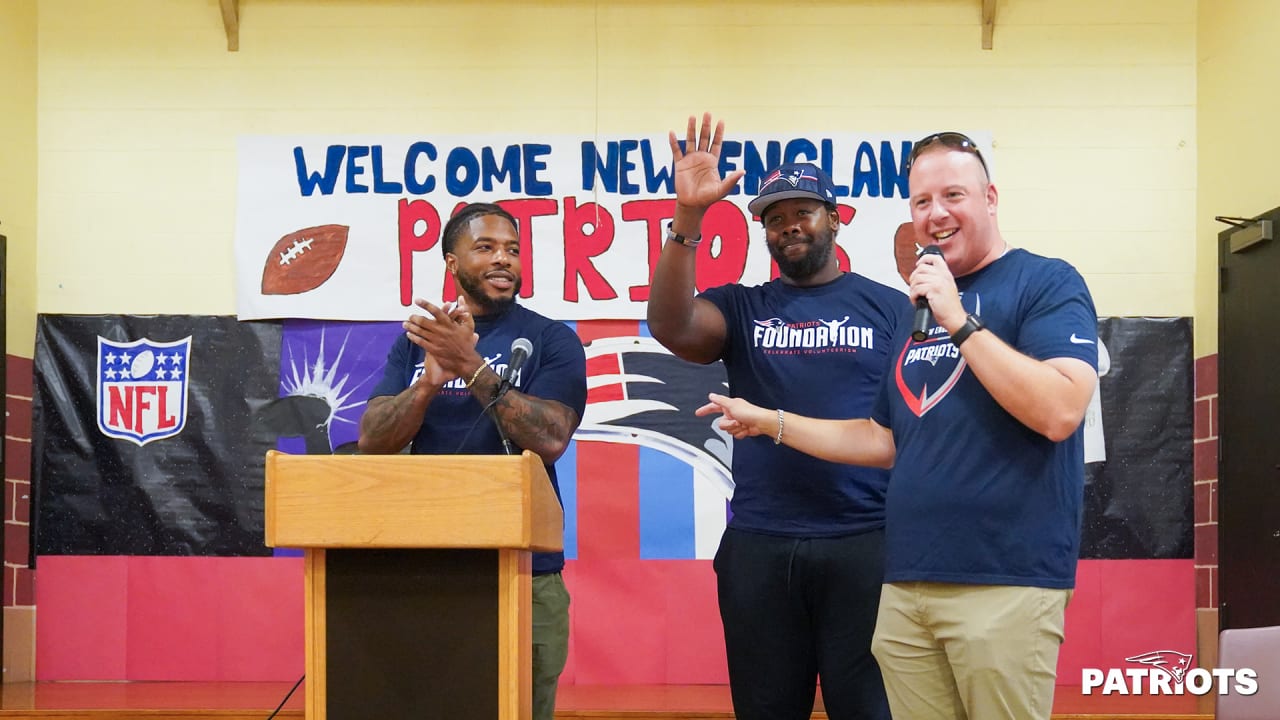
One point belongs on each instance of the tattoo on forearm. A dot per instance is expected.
(381, 419)
(391, 420)
(542, 426)
(536, 424)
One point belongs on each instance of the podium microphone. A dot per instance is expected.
(924, 316)
(520, 350)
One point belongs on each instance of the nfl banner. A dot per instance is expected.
(146, 439)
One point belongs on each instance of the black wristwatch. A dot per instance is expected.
(972, 324)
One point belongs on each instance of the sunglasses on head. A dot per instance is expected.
(952, 140)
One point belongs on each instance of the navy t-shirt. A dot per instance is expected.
(975, 496)
(556, 370)
(816, 351)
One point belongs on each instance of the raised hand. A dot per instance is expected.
(697, 167)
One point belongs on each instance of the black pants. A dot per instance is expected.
(795, 609)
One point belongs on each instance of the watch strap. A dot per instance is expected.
(673, 236)
(972, 324)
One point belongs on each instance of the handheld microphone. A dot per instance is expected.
(924, 316)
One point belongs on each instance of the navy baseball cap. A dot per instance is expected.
(793, 180)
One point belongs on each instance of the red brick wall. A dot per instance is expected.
(19, 581)
(1206, 481)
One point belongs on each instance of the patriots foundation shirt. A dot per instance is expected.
(816, 351)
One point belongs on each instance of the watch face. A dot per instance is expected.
(972, 324)
(673, 237)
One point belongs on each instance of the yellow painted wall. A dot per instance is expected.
(18, 169)
(1238, 63)
(1091, 104)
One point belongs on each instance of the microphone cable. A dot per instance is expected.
(506, 444)
(286, 697)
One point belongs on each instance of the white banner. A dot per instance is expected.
(349, 227)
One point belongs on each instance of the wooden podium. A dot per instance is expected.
(418, 584)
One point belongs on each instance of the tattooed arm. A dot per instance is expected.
(542, 414)
(541, 426)
(535, 424)
(390, 422)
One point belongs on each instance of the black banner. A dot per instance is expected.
(1139, 501)
(143, 434)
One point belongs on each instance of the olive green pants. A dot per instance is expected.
(550, 641)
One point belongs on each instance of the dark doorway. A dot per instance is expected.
(1249, 424)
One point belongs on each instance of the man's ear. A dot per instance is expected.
(451, 263)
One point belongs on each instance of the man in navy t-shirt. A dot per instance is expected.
(800, 565)
(981, 420)
(447, 369)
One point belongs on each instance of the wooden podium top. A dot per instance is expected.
(411, 501)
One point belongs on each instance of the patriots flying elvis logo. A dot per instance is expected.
(794, 177)
(638, 393)
(1170, 661)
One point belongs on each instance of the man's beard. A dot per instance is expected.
(814, 261)
(473, 286)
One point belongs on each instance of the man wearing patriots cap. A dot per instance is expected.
(799, 567)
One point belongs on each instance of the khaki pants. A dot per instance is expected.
(953, 652)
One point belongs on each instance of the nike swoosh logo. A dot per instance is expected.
(1080, 340)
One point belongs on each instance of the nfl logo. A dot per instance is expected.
(142, 389)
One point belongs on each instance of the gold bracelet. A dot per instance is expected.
(475, 375)
(778, 440)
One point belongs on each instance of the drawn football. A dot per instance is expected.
(142, 364)
(905, 250)
(304, 260)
